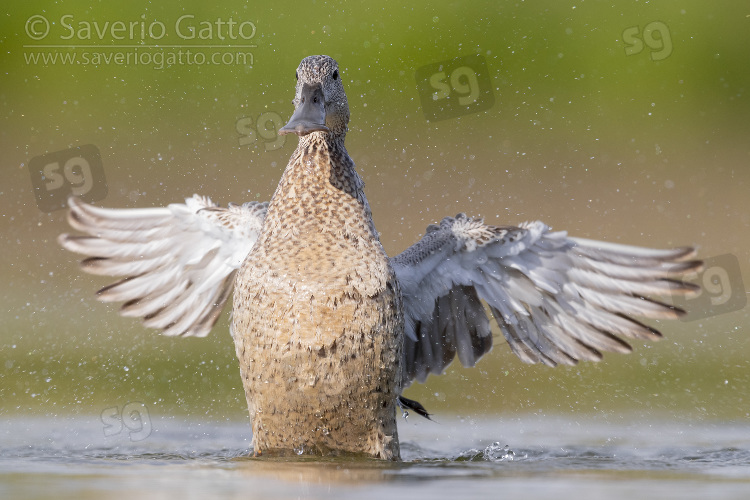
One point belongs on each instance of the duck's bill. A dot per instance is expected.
(302, 128)
(310, 115)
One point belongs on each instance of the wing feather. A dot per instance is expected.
(556, 299)
(177, 263)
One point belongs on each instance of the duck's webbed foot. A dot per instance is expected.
(409, 404)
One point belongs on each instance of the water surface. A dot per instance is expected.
(533, 456)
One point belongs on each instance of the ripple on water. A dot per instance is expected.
(61, 452)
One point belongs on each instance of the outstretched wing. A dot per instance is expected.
(556, 299)
(178, 262)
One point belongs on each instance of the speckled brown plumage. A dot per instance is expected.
(317, 319)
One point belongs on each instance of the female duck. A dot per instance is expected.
(328, 330)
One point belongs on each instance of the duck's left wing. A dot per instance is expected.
(556, 299)
(177, 263)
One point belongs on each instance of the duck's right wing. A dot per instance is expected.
(177, 263)
(556, 299)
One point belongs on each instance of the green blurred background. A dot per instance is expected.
(647, 147)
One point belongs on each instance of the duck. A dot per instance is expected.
(328, 329)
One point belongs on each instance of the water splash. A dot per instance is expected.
(497, 453)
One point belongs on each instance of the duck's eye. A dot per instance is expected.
(335, 74)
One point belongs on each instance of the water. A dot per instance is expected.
(529, 456)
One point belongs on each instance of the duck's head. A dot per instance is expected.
(320, 101)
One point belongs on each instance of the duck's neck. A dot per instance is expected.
(320, 163)
(319, 184)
